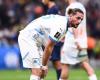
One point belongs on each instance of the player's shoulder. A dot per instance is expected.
(56, 17)
(50, 16)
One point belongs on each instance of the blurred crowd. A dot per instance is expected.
(16, 14)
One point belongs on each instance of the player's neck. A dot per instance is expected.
(51, 4)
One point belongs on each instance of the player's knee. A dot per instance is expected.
(57, 65)
(34, 77)
(64, 76)
(36, 71)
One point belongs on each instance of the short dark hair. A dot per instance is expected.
(73, 11)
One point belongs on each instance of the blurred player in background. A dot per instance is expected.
(75, 47)
(55, 56)
(45, 30)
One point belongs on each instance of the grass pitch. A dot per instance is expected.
(75, 74)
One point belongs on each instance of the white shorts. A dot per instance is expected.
(73, 56)
(31, 53)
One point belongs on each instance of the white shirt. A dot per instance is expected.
(49, 26)
(81, 30)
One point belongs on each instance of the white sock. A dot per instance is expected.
(93, 77)
(34, 77)
(60, 79)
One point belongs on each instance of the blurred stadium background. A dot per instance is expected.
(15, 14)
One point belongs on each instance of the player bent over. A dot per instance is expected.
(46, 30)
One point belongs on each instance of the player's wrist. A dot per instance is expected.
(77, 44)
(44, 67)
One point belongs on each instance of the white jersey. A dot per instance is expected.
(37, 34)
(70, 54)
(49, 26)
(80, 31)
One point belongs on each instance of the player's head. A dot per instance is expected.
(75, 17)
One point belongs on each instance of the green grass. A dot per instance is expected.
(75, 74)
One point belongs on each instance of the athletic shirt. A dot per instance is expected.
(81, 30)
(53, 10)
(49, 26)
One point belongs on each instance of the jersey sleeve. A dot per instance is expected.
(56, 34)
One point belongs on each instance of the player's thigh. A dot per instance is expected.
(31, 54)
(55, 56)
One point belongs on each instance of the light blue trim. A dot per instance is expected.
(52, 39)
(25, 55)
(40, 32)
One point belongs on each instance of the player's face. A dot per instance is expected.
(76, 19)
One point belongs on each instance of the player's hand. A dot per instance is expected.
(44, 71)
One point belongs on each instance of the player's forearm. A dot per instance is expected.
(47, 52)
(46, 56)
(76, 40)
